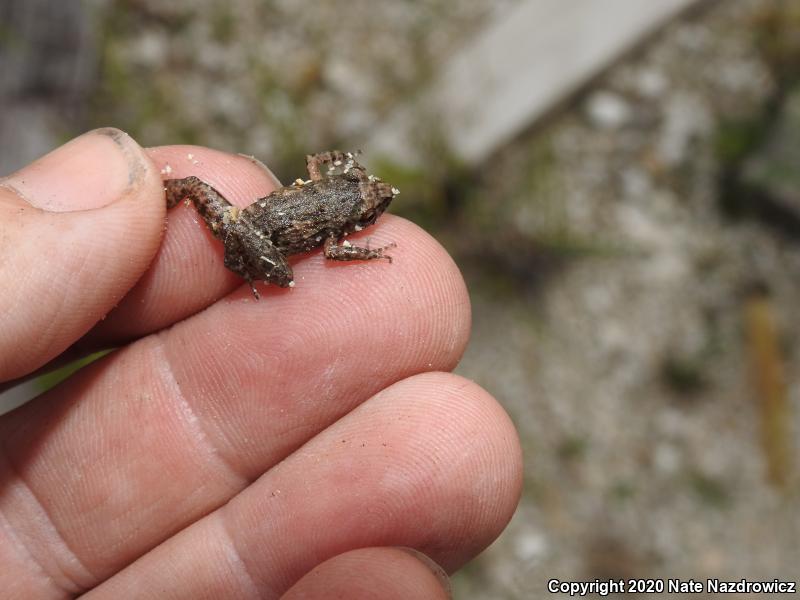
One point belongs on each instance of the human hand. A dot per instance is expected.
(230, 448)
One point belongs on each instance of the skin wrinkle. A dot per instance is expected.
(191, 420)
(235, 553)
(22, 548)
(55, 536)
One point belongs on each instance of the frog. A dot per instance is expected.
(339, 198)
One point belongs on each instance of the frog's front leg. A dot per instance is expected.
(335, 158)
(215, 209)
(347, 251)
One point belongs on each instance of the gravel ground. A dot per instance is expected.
(274, 78)
(628, 370)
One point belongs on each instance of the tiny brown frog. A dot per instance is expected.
(292, 219)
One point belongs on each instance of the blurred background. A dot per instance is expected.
(619, 182)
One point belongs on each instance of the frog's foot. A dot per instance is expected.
(347, 251)
(334, 159)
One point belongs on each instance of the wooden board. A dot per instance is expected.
(523, 63)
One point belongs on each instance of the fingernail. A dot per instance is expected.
(91, 171)
(438, 571)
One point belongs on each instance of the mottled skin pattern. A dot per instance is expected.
(293, 219)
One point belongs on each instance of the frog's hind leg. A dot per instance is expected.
(235, 262)
(258, 261)
(215, 209)
(333, 158)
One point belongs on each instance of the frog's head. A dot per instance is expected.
(376, 195)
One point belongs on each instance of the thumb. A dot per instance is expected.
(78, 227)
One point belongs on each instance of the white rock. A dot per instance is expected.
(686, 116)
(651, 83)
(530, 546)
(608, 110)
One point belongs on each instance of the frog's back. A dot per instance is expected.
(300, 217)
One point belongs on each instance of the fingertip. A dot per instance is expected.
(422, 286)
(380, 573)
(460, 414)
(90, 171)
(81, 226)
